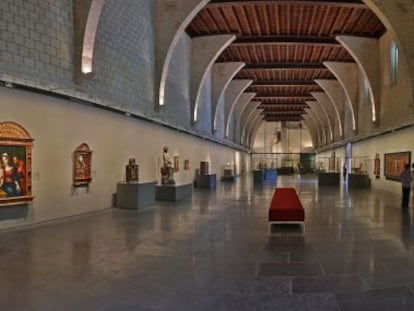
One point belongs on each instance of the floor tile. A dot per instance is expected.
(400, 298)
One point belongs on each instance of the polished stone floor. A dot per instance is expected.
(214, 252)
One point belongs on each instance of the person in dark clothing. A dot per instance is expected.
(406, 179)
(344, 171)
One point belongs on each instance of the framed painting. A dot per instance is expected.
(377, 165)
(394, 164)
(186, 165)
(82, 163)
(15, 165)
(176, 163)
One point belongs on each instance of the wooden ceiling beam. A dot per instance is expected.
(285, 40)
(284, 83)
(277, 107)
(285, 66)
(283, 95)
(283, 109)
(276, 119)
(332, 3)
(282, 113)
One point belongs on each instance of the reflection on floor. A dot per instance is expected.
(213, 252)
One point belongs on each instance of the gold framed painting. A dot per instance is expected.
(15, 164)
(394, 164)
(82, 163)
(176, 163)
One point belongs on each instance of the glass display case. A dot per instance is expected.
(328, 164)
(361, 165)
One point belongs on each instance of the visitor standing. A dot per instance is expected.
(344, 171)
(406, 179)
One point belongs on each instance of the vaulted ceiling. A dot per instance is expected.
(284, 44)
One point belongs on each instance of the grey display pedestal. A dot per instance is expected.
(270, 174)
(206, 181)
(173, 193)
(135, 195)
(228, 178)
(329, 179)
(359, 180)
(258, 176)
(228, 175)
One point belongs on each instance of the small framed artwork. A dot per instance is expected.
(394, 164)
(176, 163)
(82, 163)
(15, 165)
(377, 164)
(186, 165)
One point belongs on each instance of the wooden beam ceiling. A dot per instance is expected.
(285, 40)
(284, 83)
(285, 66)
(331, 3)
(284, 44)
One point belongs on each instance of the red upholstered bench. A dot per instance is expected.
(286, 207)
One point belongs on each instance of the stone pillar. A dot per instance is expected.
(313, 129)
(245, 116)
(233, 93)
(319, 127)
(336, 94)
(86, 14)
(319, 110)
(366, 53)
(253, 114)
(326, 104)
(204, 52)
(253, 130)
(222, 75)
(239, 107)
(398, 17)
(171, 18)
(347, 75)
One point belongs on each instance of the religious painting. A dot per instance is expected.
(186, 165)
(15, 165)
(176, 163)
(394, 164)
(82, 163)
(377, 163)
(131, 171)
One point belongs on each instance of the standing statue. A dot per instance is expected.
(167, 171)
(131, 170)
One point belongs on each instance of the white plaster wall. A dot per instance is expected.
(59, 126)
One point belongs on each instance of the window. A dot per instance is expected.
(394, 64)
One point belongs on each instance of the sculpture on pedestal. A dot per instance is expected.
(167, 171)
(204, 168)
(131, 171)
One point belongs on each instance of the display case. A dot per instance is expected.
(361, 165)
(284, 163)
(327, 164)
